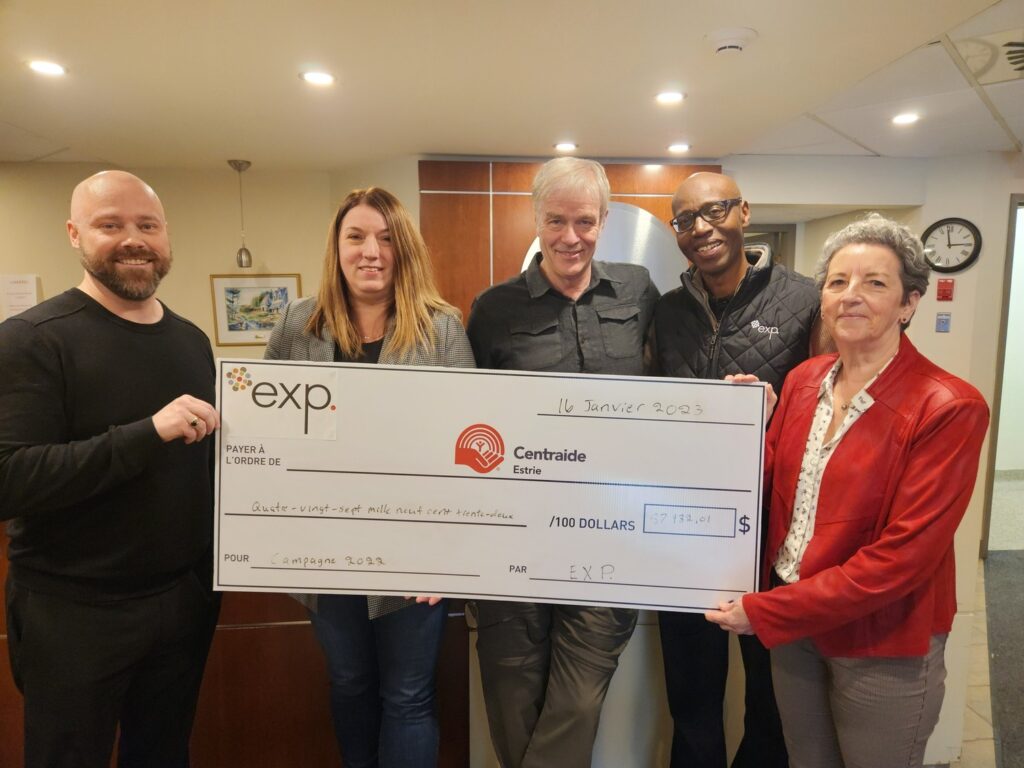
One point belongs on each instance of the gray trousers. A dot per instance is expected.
(857, 712)
(545, 671)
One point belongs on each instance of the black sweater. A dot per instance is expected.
(99, 507)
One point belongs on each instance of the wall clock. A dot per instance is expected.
(951, 244)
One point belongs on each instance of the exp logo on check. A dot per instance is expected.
(480, 448)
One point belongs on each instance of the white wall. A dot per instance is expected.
(855, 181)
(816, 231)
(34, 201)
(399, 175)
(1010, 451)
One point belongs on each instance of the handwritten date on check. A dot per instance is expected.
(600, 490)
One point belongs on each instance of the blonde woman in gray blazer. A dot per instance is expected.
(377, 303)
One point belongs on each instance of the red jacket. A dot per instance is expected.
(877, 577)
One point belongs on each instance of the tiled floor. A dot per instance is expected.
(1006, 531)
(978, 746)
(1006, 528)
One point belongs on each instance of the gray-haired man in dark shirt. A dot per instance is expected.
(546, 668)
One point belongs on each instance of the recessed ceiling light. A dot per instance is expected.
(670, 97)
(317, 78)
(47, 68)
(678, 148)
(906, 118)
(565, 146)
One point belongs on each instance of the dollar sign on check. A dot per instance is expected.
(744, 523)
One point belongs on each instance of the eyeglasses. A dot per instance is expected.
(712, 213)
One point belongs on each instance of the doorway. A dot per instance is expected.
(1005, 520)
(781, 238)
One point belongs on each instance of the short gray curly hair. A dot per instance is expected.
(878, 230)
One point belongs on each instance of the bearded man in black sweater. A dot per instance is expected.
(107, 484)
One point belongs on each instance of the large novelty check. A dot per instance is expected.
(605, 490)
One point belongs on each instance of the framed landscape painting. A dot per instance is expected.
(246, 307)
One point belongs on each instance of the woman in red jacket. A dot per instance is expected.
(871, 461)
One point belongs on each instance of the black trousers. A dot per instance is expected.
(696, 654)
(85, 667)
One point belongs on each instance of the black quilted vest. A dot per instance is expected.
(765, 329)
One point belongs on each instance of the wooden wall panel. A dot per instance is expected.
(514, 177)
(3, 580)
(659, 207)
(636, 179)
(11, 718)
(454, 176)
(458, 227)
(259, 608)
(457, 231)
(624, 178)
(453, 690)
(514, 230)
(264, 701)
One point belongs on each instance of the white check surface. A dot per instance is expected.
(343, 478)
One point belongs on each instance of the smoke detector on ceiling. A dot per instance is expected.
(731, 39)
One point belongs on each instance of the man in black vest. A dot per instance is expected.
(731, 315)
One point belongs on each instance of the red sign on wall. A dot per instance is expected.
(944, 291)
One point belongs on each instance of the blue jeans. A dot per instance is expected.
(382, 676)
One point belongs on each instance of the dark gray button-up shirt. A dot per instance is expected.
(525, 324)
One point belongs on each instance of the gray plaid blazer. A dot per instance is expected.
(289, 341)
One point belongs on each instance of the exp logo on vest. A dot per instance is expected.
(771, 330)
(283, 401)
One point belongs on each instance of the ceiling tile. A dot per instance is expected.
(994, 58)
(1009, 100)
(75, 155)
(1006, 14)
(951, 123)
(923, 72)
(19, 145)
(803, 136)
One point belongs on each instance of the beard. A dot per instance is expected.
(121, 281)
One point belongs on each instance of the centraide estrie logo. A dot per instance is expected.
(480, 448)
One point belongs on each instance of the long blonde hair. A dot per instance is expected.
(416, 296)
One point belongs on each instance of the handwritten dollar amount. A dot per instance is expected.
(692, 520)
(681, 518)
